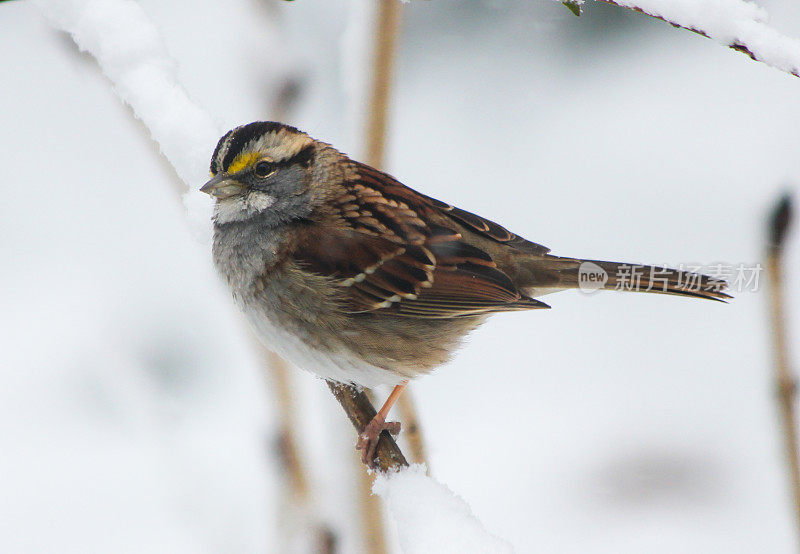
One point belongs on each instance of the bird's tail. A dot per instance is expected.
(552, 273)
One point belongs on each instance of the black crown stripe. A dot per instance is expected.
(238, 138)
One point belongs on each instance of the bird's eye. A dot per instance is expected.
(264, 169)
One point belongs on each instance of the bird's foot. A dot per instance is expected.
(368, 440)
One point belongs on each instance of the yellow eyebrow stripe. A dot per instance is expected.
(243, 161)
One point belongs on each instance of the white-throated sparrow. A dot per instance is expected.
(347, 273)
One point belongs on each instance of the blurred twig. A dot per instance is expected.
(298, 499)
(412, 430)
(786, 386)
(372, 523)
(286, 97)
(386, 38)
(737, 45)
(289, 450)
(386, 33)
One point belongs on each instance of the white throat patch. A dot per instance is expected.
(238, 208)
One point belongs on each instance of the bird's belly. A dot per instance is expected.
(317, 351)
(300, 316)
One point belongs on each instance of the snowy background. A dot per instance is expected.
(136, 415)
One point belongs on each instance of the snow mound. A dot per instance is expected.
(431, 518)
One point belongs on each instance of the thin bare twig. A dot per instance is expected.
(412, 430)
(289, 449)
(786, 387)
(298, 497)
(387, 32)
(370, 507)
(373, 531)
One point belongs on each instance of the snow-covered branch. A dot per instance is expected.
(131, 53)
(737, 24)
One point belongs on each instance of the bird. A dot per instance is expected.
(346, 272)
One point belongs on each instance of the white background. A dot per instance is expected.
(135, 415)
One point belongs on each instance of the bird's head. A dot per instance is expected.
(264, 169)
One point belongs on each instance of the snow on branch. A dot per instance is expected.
(131, 53)
(737, 24)
(431, 518)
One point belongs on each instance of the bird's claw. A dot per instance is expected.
(368, 439)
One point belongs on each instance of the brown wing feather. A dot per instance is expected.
(384, 250)
(480, 225)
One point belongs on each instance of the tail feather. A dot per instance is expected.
(552, 273)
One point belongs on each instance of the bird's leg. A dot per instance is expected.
(368, 439)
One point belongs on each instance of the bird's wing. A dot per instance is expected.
(384, 247)
(391, 188)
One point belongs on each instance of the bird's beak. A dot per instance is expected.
(223, 186)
